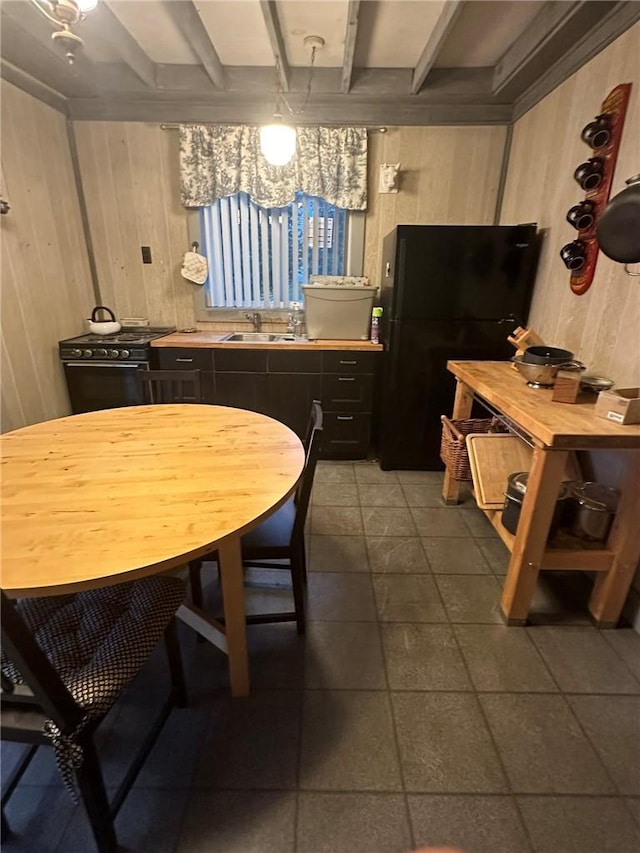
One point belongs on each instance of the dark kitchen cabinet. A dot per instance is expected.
(283, 383)
(173, 358)
(294, 381)
(347, 401)
(241, 379)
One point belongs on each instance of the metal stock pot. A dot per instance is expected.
(514, 496)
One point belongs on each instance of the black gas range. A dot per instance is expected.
(131, 343)
(101, 370)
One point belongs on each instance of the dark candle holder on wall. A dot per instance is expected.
(594, 176)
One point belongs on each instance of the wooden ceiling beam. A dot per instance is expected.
(101, 24)
(185, 16)
(270, 15)
(555, 31)
(621, 18)
(350, 45)
(33, 87)
(448, 16)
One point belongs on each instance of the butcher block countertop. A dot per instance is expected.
(214, 340)
(571, 426)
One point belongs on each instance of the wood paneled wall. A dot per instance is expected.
(131, 184)
(130, 177)
(448, 175)
(46, 284)
(601, 326)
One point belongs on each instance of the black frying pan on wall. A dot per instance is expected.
(618, 228)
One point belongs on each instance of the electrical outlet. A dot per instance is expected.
(146, 254)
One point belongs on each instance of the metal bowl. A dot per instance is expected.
(595, 384)
(543, 375)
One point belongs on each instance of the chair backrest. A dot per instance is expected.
(313, 447)
(46, 690)
(170, 386)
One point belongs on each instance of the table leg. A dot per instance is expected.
(610, 588)
(462, 404)
(232, 581)
(543, 487)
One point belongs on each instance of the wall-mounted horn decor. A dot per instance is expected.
(602, 135)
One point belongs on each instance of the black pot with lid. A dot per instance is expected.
(514, 496)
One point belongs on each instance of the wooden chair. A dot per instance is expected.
(65, 660)
(170, 386)
(278, 543)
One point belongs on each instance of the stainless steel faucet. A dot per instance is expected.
(256, 319)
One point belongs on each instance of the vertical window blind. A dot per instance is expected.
(259, 257)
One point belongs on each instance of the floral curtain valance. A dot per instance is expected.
(221, 160)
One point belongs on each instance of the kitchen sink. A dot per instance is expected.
(256, 338)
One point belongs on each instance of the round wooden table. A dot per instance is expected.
(110, 496)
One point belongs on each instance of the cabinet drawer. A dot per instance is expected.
(174, 358)
(345, 436)
(240, 360)
(341, 391)
(294, 362)
(348, 362)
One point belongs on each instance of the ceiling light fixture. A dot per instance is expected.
(278, 140)
(64, 14)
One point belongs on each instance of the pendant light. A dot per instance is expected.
(278, 140)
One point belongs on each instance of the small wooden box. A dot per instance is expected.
(566, 387)
(621, 406)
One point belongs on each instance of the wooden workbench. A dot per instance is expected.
(554, 430)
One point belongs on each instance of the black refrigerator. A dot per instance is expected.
(448, 292)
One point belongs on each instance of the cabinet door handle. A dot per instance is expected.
(348, 362)
(185, 360)
(346, 378)
(345, 417)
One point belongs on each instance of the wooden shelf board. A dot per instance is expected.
(570, 554)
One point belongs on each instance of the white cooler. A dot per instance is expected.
(338, 312)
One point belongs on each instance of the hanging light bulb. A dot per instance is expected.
(278, 142)
(87, 5)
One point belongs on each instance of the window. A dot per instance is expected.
(260, 257)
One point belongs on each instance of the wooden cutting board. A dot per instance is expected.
(493, 458)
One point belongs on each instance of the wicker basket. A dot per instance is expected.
(453, 449)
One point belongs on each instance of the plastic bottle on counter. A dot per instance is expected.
(376, 314)
(298, 320)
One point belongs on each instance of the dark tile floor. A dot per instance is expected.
(408, 716)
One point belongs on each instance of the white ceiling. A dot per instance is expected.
(383, 61)
(391, 33)
(484, 31)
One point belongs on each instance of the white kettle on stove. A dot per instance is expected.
(103, 327)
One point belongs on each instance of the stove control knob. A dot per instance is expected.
(75, 353)
(87, 353)
(101, 353)
(113, 353)
(124, 353)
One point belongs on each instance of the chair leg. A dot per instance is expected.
(298, 584)
(172, 646)
(197, 596)
(94, 798)
(195, 580)
(5, 830)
